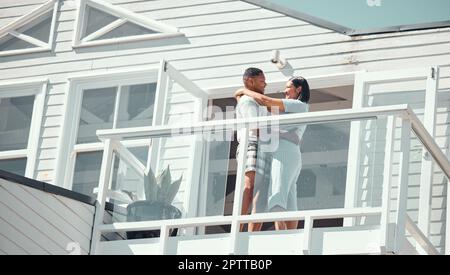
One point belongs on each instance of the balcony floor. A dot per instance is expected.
(343, 240)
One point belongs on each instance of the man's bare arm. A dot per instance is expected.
(271, 103)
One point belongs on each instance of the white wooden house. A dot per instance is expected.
(375, 163)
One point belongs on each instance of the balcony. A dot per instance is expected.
(379, 170)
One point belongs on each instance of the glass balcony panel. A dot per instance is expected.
(217, 176)
(373, 137)
(310, 173)
(420, 161)
(203, 172)
(385, 93)
(180, 164)
(369, 179)
(88, 166)
(202, 177)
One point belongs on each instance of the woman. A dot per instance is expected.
(287, 162)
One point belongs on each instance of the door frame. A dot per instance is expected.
(317, 82)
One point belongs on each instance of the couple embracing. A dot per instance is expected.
(271, 175)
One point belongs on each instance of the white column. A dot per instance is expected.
(238, 191)
(426, 178)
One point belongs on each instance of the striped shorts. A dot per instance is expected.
(256, 161)
(261, 163)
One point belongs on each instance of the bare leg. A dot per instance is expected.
(252, 227)
(248, 194)
(292, 224)
(280, 225)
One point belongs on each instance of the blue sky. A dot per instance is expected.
(367, 14)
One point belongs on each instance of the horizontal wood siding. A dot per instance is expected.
(36, 222)
(177, 152)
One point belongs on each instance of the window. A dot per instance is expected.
(99, 23)
(21, 107)
(115, 107)
(106, 102)
(32, 32)
(108, 108)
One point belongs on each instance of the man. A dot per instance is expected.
(247, 107)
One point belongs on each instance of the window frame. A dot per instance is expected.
(29, 18)
(37, 88)
(69, 149)
(123, 16)
(226, 91)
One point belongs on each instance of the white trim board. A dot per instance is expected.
(123, 16)
(11, 29)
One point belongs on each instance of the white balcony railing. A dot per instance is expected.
(393, 224)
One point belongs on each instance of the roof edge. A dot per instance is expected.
(401, 28)
(342, 29)
(48, 188)
(300, 15)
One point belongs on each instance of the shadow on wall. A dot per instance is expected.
(145, 44)
(27, 56)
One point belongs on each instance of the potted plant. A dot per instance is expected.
(159, 193)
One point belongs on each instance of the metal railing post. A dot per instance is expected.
(385, 238)
(238, 191)
(105, 177)
(426, 177)
(402, 196)
(307, 238)
(163, 239)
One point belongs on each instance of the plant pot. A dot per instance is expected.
(150, 211)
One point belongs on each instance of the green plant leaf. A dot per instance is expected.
(164, 181)
(129, 194)
(151, 188)
(173, 190)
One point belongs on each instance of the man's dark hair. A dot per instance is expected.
(301, 82)
(252, 72)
